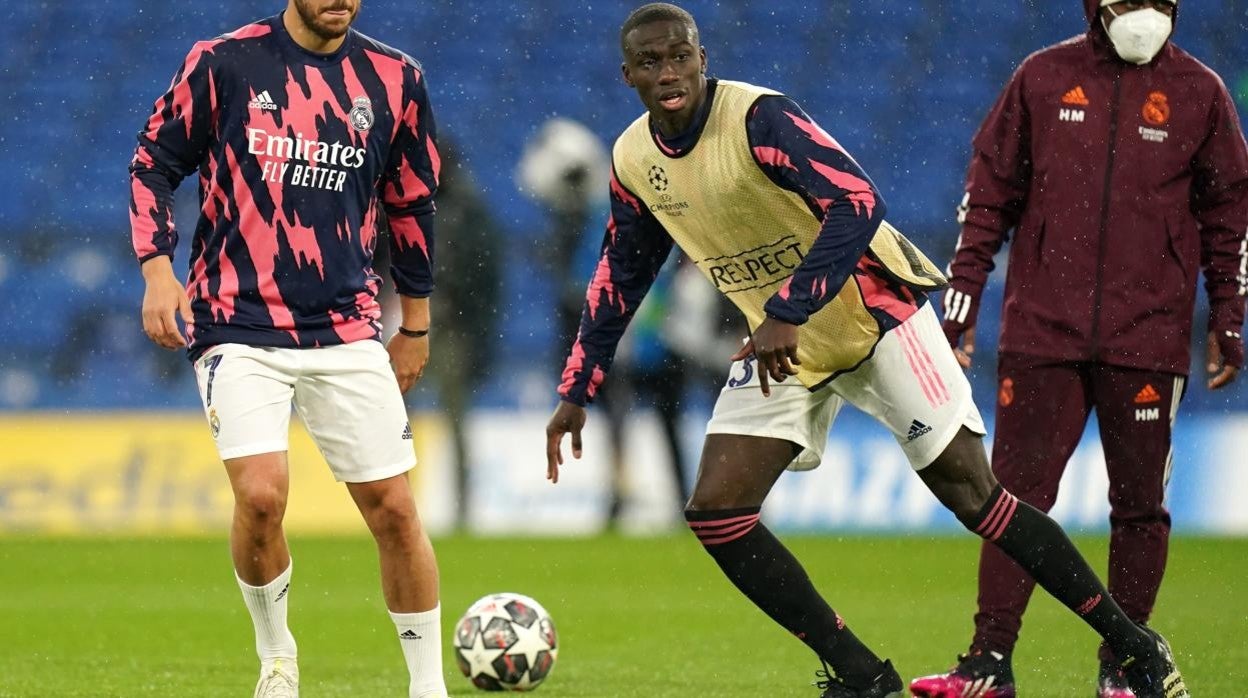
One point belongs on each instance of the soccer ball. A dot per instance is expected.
(506, 642)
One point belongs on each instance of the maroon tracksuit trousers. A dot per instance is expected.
(1042, 409)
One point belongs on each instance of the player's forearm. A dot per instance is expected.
(843, 240)
(152, 232)
(1226, 284)
(993, 204)
(1222, 215)
(973, 259)
(591, 357)
(415, 312)
(608, 311)
(411, 254)
(801, 157)
(634, 248)
(998, 180)
(157, 268)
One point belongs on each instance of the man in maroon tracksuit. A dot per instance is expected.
(1118, 161)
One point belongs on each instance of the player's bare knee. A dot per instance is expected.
(393, 519)
(966, 506)
(718, 499)
(261, 507)
(964, 496)
(700, 502)
(960, 476)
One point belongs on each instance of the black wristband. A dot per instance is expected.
(412, 333)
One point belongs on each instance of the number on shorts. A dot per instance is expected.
(212, 373)
(747, 366)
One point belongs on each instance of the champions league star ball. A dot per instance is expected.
(506, 642)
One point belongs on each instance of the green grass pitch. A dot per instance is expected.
(636, 616)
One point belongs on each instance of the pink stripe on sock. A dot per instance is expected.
(722, 522)
(725, 530)
(990, 520)
(991, 525)
(736, 533)
(1005, 519)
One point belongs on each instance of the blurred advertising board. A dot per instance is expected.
(158, 474)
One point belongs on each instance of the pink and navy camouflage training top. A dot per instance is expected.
(294, 151)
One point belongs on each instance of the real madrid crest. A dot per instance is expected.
(214, 423)
(1157, 109)
(361, 115)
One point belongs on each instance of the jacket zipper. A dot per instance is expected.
(1104, 229)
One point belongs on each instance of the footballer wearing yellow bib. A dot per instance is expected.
(778, 216)
(748, 234)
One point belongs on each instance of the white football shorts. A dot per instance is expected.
(346, 395)
(912, 385)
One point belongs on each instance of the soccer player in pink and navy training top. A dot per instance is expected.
(300, 130)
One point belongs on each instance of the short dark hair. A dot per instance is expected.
(657, 12)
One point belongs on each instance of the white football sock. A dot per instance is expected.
(420, 636)
(267, 605)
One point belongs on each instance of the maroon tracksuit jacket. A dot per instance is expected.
(1119, 183)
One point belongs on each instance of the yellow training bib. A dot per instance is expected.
(748, 235)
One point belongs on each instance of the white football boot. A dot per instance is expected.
(279, 678)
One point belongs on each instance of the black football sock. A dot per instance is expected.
(768, 574)
(1041, 547)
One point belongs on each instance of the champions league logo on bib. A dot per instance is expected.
(658, 178)
(361, 115)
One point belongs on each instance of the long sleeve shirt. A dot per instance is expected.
(796, 155)
(295, 152)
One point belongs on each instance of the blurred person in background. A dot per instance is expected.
(300, 129)
(1118, 162)
(787, 225)
(702, 326)
(654, 376)
(671, 354)
(468, 269)
(566, 168)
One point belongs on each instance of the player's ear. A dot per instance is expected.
(702, 56)
(628, 78)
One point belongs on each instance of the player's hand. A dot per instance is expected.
(163, 302)
(568, 418)
(1224, 354)
(408, 356)
(966, 349)
(774, 344)
(961, 307)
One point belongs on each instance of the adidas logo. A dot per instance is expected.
(407, 432)
(409, 634)
(282, 594)
(1147, 394)
(262, 101)
(917, 429)
(1076, 96)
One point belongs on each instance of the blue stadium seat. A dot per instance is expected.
(903, 87)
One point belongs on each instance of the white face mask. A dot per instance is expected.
(1138, 36)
